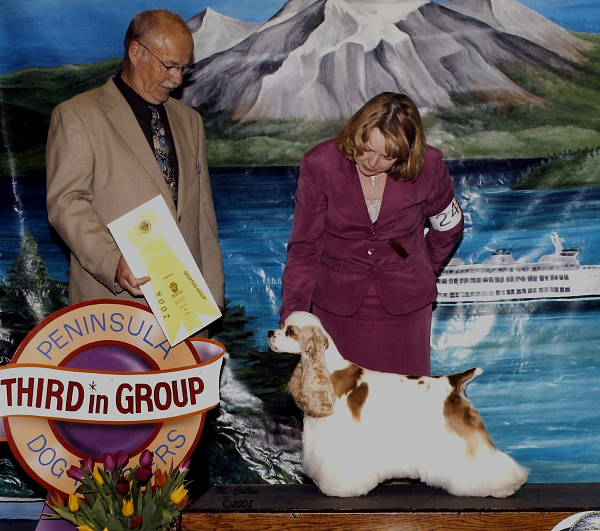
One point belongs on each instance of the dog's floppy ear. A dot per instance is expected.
(313, 341)
(311, 386)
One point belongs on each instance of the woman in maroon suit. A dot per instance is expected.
(375, 221)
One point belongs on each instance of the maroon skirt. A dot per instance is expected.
(375, 339)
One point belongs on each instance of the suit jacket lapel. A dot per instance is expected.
(120, 114)
(352, 189)
(181, 138)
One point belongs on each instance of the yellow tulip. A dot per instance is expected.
(179, 494)
(183, 503)
(98, 477)
(73, 502)
(128, 508)
(84, 527)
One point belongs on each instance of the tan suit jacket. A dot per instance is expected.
(100, 166)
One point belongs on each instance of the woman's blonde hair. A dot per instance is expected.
(398, 119)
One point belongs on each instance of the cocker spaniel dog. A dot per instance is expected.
(362, 427)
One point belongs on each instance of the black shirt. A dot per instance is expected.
(141, 109)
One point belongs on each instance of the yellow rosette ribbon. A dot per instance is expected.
(182, 301)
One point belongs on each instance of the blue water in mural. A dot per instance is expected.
(541, 385)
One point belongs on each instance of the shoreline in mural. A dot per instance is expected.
(541, 98)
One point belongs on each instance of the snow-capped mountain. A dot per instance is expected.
(213, 33)
(318, 59)
(513, 17)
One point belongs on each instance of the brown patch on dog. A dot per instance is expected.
(461, 417)
(345, 382)
(357, 399)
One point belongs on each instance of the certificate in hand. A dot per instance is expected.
(153, 246)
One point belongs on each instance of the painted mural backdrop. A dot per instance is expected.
(509, 90)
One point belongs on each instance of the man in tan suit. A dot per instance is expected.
(102, 163)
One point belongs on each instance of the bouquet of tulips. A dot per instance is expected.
(114, 498)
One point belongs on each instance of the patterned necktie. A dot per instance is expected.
(162, 150)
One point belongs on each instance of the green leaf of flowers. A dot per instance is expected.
(99, 513)
(62, 512)
(87, 515)
(169, 518)
(115, 523)
(147, 514)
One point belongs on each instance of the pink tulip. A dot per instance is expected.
(143, 474)
(122, 486)
(75, 473)
(185, 464)
(122, 458)
(88, 464)
(110, 461)
(146, 458)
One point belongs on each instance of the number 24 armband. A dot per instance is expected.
(449, 218)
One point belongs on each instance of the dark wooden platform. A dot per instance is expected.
(396, 507)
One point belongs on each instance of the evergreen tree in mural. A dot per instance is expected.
(27, 296)
(30, 292)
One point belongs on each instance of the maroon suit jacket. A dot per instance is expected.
(335, 252)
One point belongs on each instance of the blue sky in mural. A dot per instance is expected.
(55, 32)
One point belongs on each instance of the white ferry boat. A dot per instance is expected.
(557, 276)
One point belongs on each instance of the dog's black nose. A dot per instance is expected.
(270, 333)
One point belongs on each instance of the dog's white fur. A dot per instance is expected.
(362, 427)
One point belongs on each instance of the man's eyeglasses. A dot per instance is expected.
(169, 69)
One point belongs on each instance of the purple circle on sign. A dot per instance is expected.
(96, 439)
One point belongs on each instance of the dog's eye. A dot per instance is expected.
(290, 332)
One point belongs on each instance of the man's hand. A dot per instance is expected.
(127, 281)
